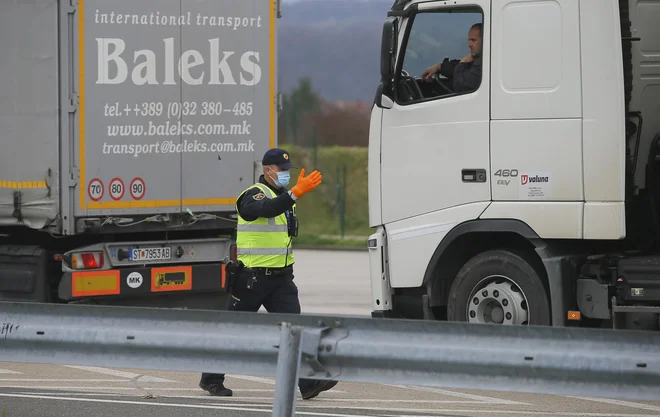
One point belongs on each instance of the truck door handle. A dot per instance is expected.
(473, 175)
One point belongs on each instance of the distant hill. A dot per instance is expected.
(337, 44)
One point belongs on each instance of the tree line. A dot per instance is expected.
(306, 119)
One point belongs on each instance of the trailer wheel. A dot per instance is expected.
(498, 287)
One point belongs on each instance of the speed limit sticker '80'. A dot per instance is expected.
(116, 188)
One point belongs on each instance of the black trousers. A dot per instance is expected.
(277, 293)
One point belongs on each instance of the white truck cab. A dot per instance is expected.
(532, 197)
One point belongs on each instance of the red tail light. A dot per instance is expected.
(233, 252)
(87, 260)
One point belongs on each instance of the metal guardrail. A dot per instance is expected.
(562, 361)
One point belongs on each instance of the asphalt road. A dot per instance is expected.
(329, 282)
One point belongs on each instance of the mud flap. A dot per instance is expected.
(23, 274)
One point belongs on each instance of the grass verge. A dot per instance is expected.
(320, 242)
(320, 211)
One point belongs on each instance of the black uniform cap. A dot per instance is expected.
(279, 157)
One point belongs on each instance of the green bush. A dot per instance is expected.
(319, 211)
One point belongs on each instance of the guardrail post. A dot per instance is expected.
(288, 366)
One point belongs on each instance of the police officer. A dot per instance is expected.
(266, 225)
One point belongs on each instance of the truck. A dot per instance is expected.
(533, 196)
(128, 129)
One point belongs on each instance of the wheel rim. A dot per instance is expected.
(498, 300)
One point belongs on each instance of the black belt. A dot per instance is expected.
(270, 271)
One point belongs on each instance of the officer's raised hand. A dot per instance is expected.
(306, 184)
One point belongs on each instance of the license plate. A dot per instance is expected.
(150, 254)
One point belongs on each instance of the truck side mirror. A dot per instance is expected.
(387, 51)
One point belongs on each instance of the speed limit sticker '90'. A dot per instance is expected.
(137, 188)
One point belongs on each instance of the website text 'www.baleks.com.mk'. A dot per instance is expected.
(170, 146)
(178, 129)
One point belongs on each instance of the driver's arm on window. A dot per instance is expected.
(448, 68)
(445, 68)
(467, 76)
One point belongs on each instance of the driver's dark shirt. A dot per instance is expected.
(465, 76)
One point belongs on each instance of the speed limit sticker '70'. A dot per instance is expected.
(95, 189)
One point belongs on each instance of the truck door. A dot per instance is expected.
(435, 139)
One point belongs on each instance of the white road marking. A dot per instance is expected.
(482, 399)
(202, 395)
(204, 392)
(9, 371)
(340, 400)
(536, 413)
(306, 405)
(253, 378)
(60, 380)
(96, 394)
(79, 387)
(242, 405)
(157, 404)
(121, 374)
(266, 408)
(621, 403)
(84, 388)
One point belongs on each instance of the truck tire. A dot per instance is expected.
(498, 287)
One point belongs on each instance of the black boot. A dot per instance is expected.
(218, 390)
(316, 388)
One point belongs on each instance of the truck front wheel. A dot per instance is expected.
(498, 287)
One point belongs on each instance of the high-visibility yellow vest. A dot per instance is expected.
(264, 242)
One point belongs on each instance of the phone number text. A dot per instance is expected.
(178, 109)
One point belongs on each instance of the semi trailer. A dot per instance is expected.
(533, 196)
(128, 128)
